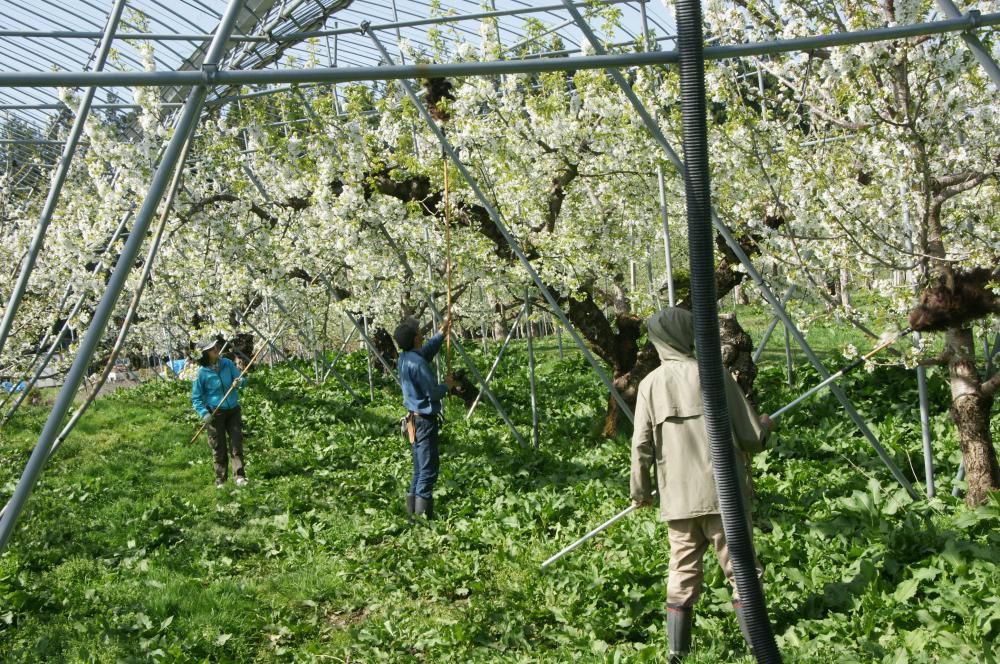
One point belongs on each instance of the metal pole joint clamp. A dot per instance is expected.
(209, 73)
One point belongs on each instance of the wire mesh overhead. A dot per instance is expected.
(53, 35)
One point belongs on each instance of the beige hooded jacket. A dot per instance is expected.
(670, 427)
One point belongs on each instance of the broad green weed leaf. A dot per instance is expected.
(906, 590)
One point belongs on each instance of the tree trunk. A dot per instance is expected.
(845, 293)
(242, 345)
(619, 347)
(970, 411)
(627, 382)
(737, 354)
(382, 341)
(500, 328)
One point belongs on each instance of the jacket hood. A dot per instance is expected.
(672, 332)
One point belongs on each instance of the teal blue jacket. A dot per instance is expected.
(210, 385)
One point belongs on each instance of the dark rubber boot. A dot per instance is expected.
(679, 632)
(411, 504)
(741, 618)
(424, 506)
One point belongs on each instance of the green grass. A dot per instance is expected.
(129, 554)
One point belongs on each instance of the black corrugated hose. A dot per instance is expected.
(706, 326)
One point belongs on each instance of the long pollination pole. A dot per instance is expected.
(505, 232)
(233, 385)
(447, 244)
(833, 377)
(774, 416)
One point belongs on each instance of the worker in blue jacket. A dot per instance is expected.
(215, 376)
(422, 396)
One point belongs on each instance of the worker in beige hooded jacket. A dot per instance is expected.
(670, 431)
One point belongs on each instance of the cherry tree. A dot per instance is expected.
(881, 158)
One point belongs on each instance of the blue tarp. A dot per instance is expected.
(10, 387)
(177, 366)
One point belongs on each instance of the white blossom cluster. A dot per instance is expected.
(847, 148)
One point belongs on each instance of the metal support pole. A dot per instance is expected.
(789, 365)
(457, 345)
(325, 75)
(514, 245)
(306, 339)
(368, 357)
(730, 239)
(770, 328)
(649, 278)
(482, 324)
(61, 335)
(661, 184)
(58, 179)
(274, 348)
(531, 369)
(593, 533)
(829, 380)
(925, 425)
(496, 362)
(960, 477)
(185, 128)
(315, 343)
(979, 52)
(631, 264)
(270, 331)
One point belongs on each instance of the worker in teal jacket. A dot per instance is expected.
(215, 376)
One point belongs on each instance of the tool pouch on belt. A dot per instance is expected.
(408, 427)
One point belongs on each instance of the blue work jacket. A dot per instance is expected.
(211, 384)
(421, 391)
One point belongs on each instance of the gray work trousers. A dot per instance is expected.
(227, 424)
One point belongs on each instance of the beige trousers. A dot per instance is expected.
(689, 540)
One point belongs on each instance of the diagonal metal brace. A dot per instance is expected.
(654, 129)
(505, 232)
